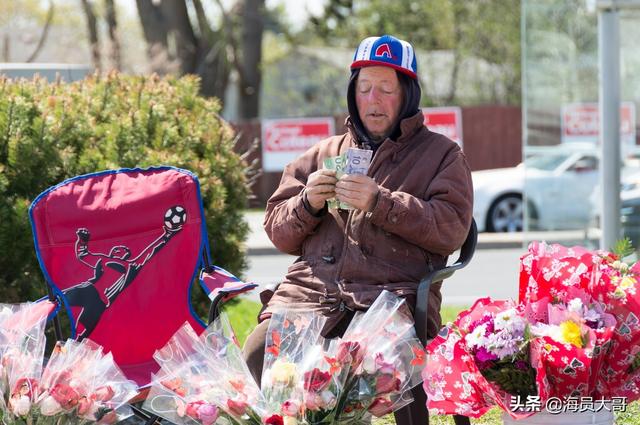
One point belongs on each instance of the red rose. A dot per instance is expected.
(66, 396)
(349, 352)
(192, 408)
(104, 393)
(381, 407)
(386, 384)
(26, 386)
(237, 407)
(274, 420)
(316, 380)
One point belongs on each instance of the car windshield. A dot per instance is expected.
(545, 162)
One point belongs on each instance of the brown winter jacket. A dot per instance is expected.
(346, 258)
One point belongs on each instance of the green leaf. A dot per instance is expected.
(623, 248)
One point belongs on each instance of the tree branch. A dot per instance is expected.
(203, 23)
(45, 33)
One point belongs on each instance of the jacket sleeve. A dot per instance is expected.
(438, 222)
(287, 221)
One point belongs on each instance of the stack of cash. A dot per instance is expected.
(354, 161)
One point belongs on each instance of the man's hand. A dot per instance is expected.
(359, 191)
(83, 234)
(321, 186)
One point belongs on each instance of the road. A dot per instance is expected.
(492, 272)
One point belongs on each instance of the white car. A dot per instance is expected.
(558, 186)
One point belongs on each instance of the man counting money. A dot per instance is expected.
(409, 200)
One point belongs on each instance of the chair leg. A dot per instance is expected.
(415, 413)
(461, 420)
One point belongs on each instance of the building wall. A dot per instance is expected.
(492, 139)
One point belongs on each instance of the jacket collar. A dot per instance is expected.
(408, 127)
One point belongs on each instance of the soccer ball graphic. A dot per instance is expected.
(175, 217)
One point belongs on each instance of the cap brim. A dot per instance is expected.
(365, 63)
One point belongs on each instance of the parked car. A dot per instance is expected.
(558, 185)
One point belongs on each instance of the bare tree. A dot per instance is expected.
(175, 43)
(249, 68)
(112, 23)
(92, 26)
(43, 36)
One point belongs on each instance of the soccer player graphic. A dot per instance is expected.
(117, 266)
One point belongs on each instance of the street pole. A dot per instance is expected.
(609, 106)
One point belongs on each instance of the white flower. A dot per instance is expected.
(49, 406)
(575, 306)
(20, 405)
(476, 338)
(290, 420)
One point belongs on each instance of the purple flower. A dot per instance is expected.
(484, 355)
(522, 365)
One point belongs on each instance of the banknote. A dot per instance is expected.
(336, 163)
(354, 161)
(358, 161)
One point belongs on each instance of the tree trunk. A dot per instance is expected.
(6, 48)
(93, 34)
(116, 57)
(155, 28)
(181, 33)
(252, 29)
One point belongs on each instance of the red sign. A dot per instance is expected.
(581, 123)
(285, 139)
(446, 121)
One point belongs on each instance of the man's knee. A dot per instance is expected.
(253, 350)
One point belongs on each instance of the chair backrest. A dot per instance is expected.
(121, 250)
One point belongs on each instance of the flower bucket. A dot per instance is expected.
(603, 417)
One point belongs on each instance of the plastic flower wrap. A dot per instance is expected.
(203, 378)
(295, 377)
(482, 360)
(383, 358)
(574, 335)
(550, 270)
(81, 384)
(22, 344)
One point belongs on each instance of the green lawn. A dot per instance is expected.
(242, 316)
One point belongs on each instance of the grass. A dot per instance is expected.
(243, 317)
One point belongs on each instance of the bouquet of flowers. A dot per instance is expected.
(203, 378)
(481, 360)
(575, 334)
(81, 384)
(551, 271)
(22, 344)
(382, 359)
(310, 380)
(297, 379)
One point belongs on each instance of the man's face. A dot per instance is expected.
(379, 99)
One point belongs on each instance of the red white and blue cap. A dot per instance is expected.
(386, 51)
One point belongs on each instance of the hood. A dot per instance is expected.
(411, 105)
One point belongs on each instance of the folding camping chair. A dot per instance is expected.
(120, 250)
(416, 412)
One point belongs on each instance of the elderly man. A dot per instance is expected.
(409, 212)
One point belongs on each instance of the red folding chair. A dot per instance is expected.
(120, 250)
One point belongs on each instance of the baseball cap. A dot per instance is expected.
(386, 51)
